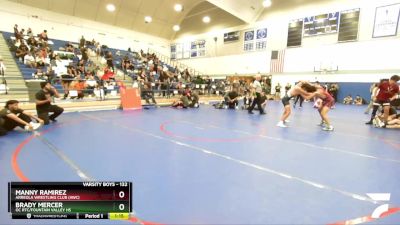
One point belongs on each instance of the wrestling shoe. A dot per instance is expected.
(328, 128)
(281, 124)
(374, 122)
(35, 126)
(379, 123)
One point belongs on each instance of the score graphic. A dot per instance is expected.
(70, 200)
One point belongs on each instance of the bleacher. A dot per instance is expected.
(58, 47)
(174, 88)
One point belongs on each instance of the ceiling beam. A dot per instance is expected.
(245, 12)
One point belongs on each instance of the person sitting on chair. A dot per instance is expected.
(43, 103)
(12, 116)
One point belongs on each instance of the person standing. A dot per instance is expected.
(257, 89)
(287, 87)
(373, 91)
(333, 90)
(388, 91)
(278, 91)
(299, 97)
(43, 103)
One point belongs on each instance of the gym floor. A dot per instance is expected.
(217, 166)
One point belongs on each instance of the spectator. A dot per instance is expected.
(248, 99)
(373, 91)
(125, 63)
(21, 34)
(231, 99)
(333, 90)
(186, 75)
(69, 47)
(16, 32)
(164, 80)
(148, 93)
(50, 74)
(348, 100)
(22, 50)
(38, 74)
(79, 86)
(29, 33)
(67, 79)
(43, 103)
(287, 88)
(12, 116)
(358, 100)
(81, 71)
(85, 55)
(108, 75)
(91, 83)
(43, 36)
(109, 59)
(32, 42)
(82, 42)
(40, 59)
(98, 49)
(2, 66)
(278, 91)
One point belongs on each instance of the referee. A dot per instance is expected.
(258, 89)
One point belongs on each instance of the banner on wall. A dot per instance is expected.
(255, 39)
(231, 36)
(191, 49)
(386, 20)
(173, 51)
(248, 40)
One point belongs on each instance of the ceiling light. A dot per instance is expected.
(178, 7)
(110, 7)
(176, 27)
(267, 3)
(148, 19)
(206, 19)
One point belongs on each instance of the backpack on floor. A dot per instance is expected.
(220, 105)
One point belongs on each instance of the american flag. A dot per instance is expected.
(277, 61)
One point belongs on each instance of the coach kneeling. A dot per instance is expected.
(43, 103)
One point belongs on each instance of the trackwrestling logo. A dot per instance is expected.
(377, 213)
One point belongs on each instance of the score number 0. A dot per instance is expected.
(121, 195)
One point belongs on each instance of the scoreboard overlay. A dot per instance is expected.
(70, 200)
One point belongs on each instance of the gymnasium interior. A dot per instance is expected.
(214, 112)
